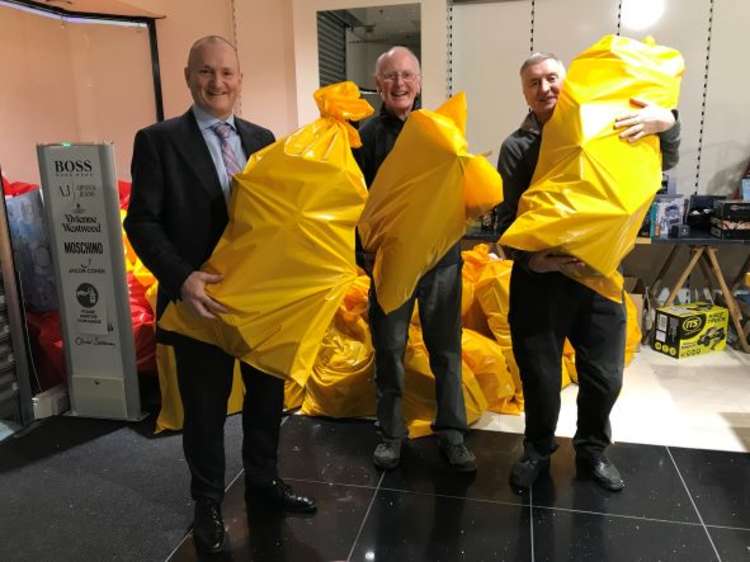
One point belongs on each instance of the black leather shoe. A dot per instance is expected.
(280, 495)
(208, 526)
(527, 470)
(601, 470)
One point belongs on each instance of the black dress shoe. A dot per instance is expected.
(527, 470)
(208, 526)
(601, 470)
(280, 495)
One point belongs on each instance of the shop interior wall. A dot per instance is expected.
(62, 84)
(490, 39)
(434, 51)
(277, 42)
(84, 82)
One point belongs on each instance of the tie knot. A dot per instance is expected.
(222, 129)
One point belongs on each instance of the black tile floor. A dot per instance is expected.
(680, 505)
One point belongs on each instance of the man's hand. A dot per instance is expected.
(193, 292)
(547, 261)
(648, 120)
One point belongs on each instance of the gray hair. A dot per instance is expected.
(538, 57)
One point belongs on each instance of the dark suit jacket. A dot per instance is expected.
(177, 211)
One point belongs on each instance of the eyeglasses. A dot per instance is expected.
(406, 76)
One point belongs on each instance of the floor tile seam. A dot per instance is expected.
(531, 523)
(381, 488)
(619, 516)
(727, 528)
(695, 506)
(364, 519)
(329, 483)
(453, 497)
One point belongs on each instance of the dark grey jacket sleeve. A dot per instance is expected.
(670, 144)
(516, 180)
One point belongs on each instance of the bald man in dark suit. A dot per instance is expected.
(182, 170)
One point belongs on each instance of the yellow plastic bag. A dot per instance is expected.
(633, 336)
(591, 190)
(472, 315)
(419, 404)
(287, 255)
(425, 191)
(493, 293)
(341, 384)
(487, 361)
(294, 395)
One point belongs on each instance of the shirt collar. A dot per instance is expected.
(531, 123)
(385, 112)
(206, 120)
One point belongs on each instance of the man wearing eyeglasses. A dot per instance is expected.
(398, 79)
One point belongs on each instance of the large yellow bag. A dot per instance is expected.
(419, 405)
(591, 190)
(486, 360)
(287, 255)
(492, 290)
(341, 384)
(425, 191)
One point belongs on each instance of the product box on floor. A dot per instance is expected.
(690, 329)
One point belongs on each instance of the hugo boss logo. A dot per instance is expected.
(73, 166)
(693, 325)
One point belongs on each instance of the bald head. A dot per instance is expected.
(399, 80)
(213, 75)
(397, 51)
(208, 40)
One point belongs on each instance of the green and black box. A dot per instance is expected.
(690, 329)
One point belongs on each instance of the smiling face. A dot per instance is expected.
(214, 78)
(542, 83)
(399, 80)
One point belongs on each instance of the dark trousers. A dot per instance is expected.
(439, 296)
(545, 309)
(204, 375)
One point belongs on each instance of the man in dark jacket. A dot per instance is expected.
(397, 74)
(547, 306)
(182, 170)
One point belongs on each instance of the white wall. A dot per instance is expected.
(491, 39)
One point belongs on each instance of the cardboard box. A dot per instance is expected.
(690, 329)
(732, 209)
(730, 229)
(635, 287)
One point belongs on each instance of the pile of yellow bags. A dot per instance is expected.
(426, 191)
(591, 190)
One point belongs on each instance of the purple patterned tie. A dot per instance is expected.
(223, 131)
